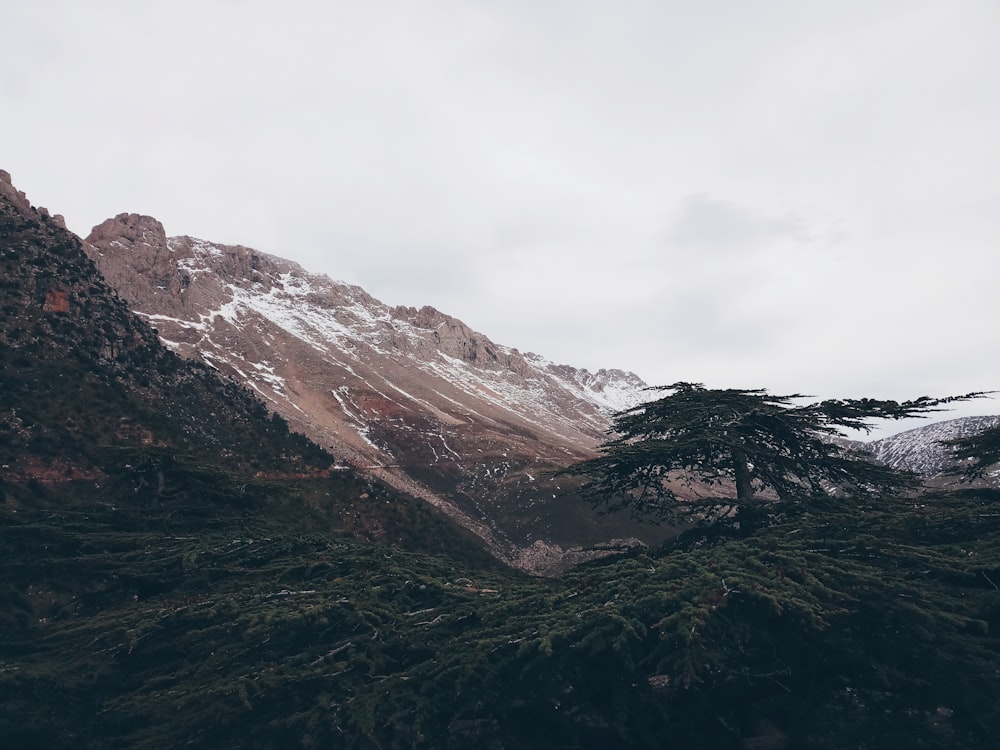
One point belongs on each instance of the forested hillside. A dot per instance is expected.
(839, 626)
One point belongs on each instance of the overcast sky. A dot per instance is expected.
(802, 196)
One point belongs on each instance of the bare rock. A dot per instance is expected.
(16, 197)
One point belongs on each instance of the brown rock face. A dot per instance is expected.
(56, 300)
(413, 396)
(14, 197)
(143, 239)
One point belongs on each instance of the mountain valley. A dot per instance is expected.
(182, 566)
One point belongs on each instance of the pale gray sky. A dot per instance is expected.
(797, 195)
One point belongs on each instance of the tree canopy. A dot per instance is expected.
(975, 454)
(750, 440)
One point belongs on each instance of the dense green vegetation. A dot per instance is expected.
(243, 621)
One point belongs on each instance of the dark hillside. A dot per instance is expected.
(78, 371)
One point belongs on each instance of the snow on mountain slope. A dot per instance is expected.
(413, 395)
(920, 450)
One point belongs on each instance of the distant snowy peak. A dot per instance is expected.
(921, 450)
(611, 390)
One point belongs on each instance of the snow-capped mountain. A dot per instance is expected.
(921, 450)
(413, 396)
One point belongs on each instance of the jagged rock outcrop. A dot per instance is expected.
(17, 201)
(413, 396)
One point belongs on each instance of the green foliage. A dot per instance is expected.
(848, 623)
(749, 438)
(975, 454)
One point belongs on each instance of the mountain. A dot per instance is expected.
(81, 372)
(95, 410)
(920, 450)
(411, 396)
(177, 569)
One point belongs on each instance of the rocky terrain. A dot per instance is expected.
(922, 450)
(412, 396)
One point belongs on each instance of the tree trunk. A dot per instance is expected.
(744, 488)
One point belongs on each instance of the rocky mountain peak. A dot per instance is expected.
(131, 230)
(143, 240)
(14, 197)
(18, 201)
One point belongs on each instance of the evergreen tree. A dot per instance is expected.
(974, 454)
(749, 438)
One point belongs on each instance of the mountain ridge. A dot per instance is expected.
(922, 449)
(411, 395)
